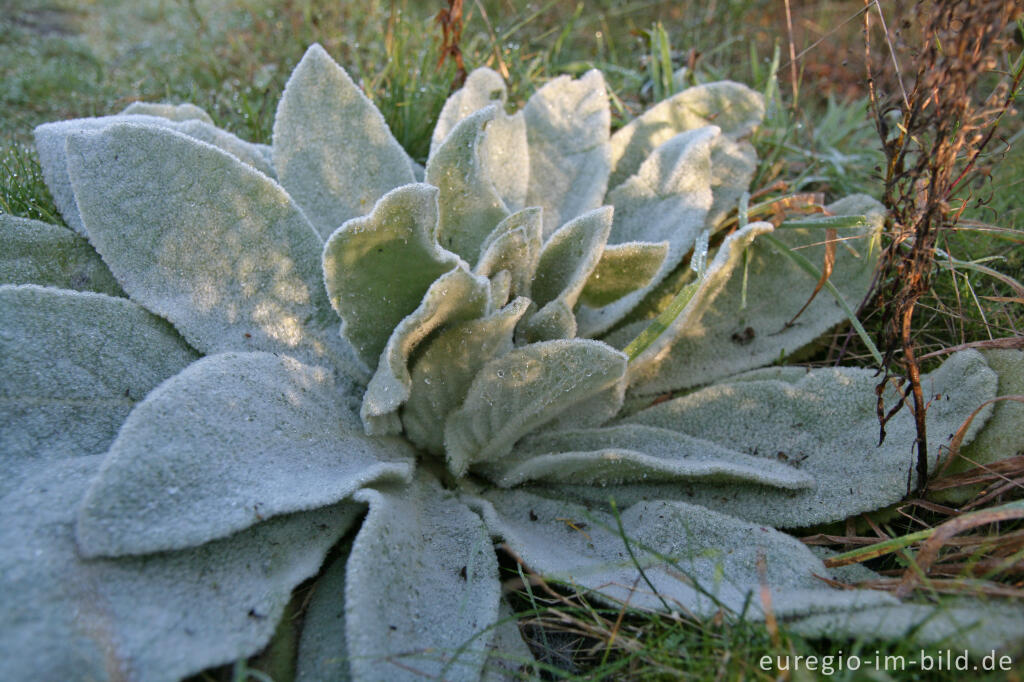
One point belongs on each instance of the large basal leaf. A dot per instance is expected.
(522, 390)
(712, 559)
(50, 255)
(205, 241)
(634, 453)
(826, 425)
(421, 586)
(470, 205)
(254, 155)
(377, 268)
(323, 656)
(455, 297)
(666, 201)
(442, 373)
(158, 617)
(232, 440)
(51, 143)
(982, 626)
(734, 108)
(1003, 435)
(72, 366)
(566, 262)
(333, 150)
(509, 657)
(567, 128)
(731, 337)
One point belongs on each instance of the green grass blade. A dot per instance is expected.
(835, 222)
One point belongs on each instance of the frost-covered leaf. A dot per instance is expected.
(570, 256)
(658, 343)
(470, 206)
(667, 200)
(72, 366)
(978, 625)
(50, 255)
(483, 87)
(714, 557)
(734, 108)
(554, 321)
(733, 164)
(594, 411)
(730, 338)
(455, 297)
(635, 453)
(503, 151)
(323, 656)
(442, 373)
(251, 154)
(144, 618)
(567, 128)
(205, 241)
(826, 425)
(174, 112)
(500, 289)
(232, 440)
(566, 262)
(421, 586)
(1003, 435)
(377, 268)
(509, 658)
(514, 246)
(333, 150)
(623, 268)
(506, 160)
(51, 143)
(522, 390)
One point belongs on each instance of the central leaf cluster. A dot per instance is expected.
(463, 297)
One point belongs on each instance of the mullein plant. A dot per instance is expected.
(241, 356)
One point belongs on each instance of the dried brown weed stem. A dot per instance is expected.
(933, 135)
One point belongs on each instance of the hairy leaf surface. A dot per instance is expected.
(50, 255)
(377, 268)
(567, 127)
(734, 108)
(234, 439)
(470, 205)
(333, 150)
(454, 297)
(420, 586)
(145, 617)
(203, 240)
(522, 390)
(72, 366)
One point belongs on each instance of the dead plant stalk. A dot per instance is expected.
(933, 136)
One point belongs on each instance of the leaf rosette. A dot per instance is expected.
(240, 355)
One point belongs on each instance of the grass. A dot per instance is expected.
(62, 59)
